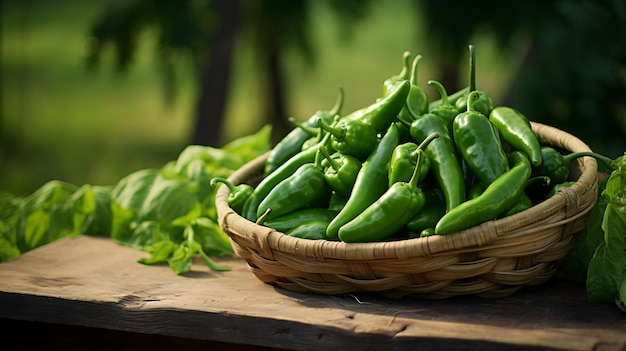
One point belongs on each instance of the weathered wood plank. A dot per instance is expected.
(93, 282)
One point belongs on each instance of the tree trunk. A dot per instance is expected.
(275, 110)
(216, 77)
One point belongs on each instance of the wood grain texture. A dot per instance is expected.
(93, 282)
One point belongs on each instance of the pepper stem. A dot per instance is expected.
(416, 62)
(225, 181)
(311, 131)
(333, 163)
(339, 103)
(442, 92)
(604, 159)
(338, 133)
(473, 95)
(472, 69)
(406, 58)
(415, 177)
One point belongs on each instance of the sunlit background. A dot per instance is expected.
(61, 118)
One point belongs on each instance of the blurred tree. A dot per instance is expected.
(207, 30)
(572, 75)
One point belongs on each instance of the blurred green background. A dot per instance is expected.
(60, 119)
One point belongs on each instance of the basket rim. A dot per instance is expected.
(270, 241)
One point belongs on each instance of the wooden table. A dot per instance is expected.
(90, 293)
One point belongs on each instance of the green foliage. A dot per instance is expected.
(168, 212)
(599, 256)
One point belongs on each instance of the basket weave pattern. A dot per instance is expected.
(494, 259)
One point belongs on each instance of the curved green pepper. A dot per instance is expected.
(484, 103)
(353, 138)
(404, 159)
(515, 129)
(341, 171)
(291, 220)
(390, 83)
(388, 213)
(442, 153)
(370, 184)
(446, 111)
(238, 193)
(292, 143)
(302, 188)
(478, 143)
(434, 208)
(312, 230)
(284, 171)
(417, 98)
(557, 187)
(452, 98)
(384, 111)
(523, 203)
(556, 165)
(499, 196)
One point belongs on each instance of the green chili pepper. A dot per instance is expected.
(434, 208)
(478, 143)
(515, 129)
(370, 184)
(391, 83)
(499, 196)
(387, 214)
(302, 188)
(238, 193)
(353, 138)
(557, 187)
(341, 171)
(417, 98)
(404, 159)
(452, 98)
(284, 171)
(484, 103)
(556, 165)
(445, 162)
(312, 230)
(446, 111)
(523, 203)
(292, 143)
(384, 111)
(291, 220)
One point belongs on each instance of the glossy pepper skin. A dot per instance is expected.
(390, 83)
(352, 138)
(238, 193)
(312, 230)
(387, 214)
(478, 143)
(446, 111)
(417, 98)
(523, 203)
(499, 196)
(292, 143)
(370, 184)
(515, 129)
(556, 165)
(452, 98)
(384, 111)
(302, 188)
(484, 103)
(445, 162)
(404, 160)
(284, 171)
(434, 208)
(341, 171)
(291, 220)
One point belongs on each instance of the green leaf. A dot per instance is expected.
(160, 252)
(606, 268)
(251, 146)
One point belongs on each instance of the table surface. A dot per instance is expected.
(94, 282)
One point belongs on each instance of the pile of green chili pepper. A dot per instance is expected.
(403, 166)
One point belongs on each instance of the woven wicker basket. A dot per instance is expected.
(494, 259)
